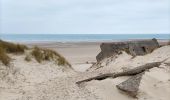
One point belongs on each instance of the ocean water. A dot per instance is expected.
(78, 37)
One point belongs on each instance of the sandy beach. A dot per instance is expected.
(31, 80)
(79, 54)
(84, 49)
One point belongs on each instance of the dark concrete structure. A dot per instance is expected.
(131, 85)
(134, 48)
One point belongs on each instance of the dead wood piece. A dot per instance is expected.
(100, 77)
(130, 72)
(138, 70)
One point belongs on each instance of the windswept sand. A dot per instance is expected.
(77, 53)
(155, 84)
(46, 81)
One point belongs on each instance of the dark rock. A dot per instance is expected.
(131, 85)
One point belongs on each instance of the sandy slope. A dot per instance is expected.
(33, 81)
(155, 84)
(46, 81)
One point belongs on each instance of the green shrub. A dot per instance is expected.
(4, 57)
(48, 55)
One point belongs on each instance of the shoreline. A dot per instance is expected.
(31, 79)
(76, 41)
(70, 43)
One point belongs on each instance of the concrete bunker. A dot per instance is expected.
(134, 48)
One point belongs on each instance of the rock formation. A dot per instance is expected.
(131, 85)
(134, 48)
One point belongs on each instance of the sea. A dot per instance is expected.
(79, 37)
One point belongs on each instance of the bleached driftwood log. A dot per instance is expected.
(130, 72)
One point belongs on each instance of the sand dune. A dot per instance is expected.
(155, 84)
(48, 81)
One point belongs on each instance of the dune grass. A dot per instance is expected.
(48, 55)
(127, 51)
(4, 58)
(12, 48)
(7, 47)
(27, 58)
(38, 53)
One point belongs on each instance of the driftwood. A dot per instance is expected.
(130, 72)
(100, 77)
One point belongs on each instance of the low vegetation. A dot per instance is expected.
(12, 48)
(28, 58)
(4, 58)
(38, 53)
(7, 47)
(48, 55)
(127, 50)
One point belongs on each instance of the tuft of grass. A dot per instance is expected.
(37, 53)
(7, 47)
(4, 57)
(48, 55)
(127, 50)
(12, 48)
(27, 58)
(63, 61)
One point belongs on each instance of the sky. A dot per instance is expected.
(84, 16)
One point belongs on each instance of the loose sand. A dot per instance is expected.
(46, 81)
(77, 53)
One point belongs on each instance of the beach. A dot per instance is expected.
(25, 80)
(84, 49)
(77, 53)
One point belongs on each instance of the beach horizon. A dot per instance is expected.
(63, 38)
(28, 73)
(84, 50)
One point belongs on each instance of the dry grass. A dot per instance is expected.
(12, 48)
(127, 50)
(28, 58)
(4, 57)
(38, 53)
(7, 47)
(48, 55)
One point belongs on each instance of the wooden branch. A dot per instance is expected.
(138, 70)
(130, 72)
(100, 77)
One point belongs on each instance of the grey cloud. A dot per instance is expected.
(85, 16)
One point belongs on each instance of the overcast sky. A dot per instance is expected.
(84, 16)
